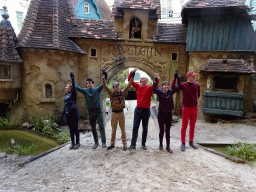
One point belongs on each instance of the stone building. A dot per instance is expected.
(217, 28)
(53, 42)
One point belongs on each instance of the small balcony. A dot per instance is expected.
(223, 103)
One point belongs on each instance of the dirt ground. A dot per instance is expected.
(87, 169)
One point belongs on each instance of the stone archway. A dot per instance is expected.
(146, 66)
(120, 66)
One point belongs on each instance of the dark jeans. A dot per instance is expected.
(140, 114)
(165, 119)
(72, 121)
(96, 116)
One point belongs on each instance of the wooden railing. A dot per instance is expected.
(223, 103)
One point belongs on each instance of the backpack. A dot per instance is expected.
(121, 99)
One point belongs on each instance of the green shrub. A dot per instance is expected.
(153, 100)
(5, 122)
(108, 104)
(47, 129)
(24, 150)
(243, 150)
(63, 137)
(1, 122)
(39, 123)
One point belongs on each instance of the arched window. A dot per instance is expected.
(48, 91)
(135, 28)
(86, 8)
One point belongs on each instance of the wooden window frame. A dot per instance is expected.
(2, 68)
(86, 7)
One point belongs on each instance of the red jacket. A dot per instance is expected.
(143, 93)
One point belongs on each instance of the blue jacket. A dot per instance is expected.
(92, 97)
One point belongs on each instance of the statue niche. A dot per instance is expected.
(135, 28)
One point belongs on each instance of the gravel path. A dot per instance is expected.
(151, 170)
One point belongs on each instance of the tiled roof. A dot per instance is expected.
(171, 33)
(103, 6)
(119, 5)
(104, 10)
(231, 65)
(8, 41)
(94, 29)
(47, 25)
(214, 3)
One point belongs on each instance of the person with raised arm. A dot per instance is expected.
(191, 93)
(142, 110)
(70, 112)
(117, 98)
(165, 98)
(93, 105)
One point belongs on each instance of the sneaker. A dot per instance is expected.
(191, 144)
(72, 146)
(124, 147)
(104, 145)
(161, 147)
(144, 147)
(77, 146)
(182, 148)
(95, 145)
(110, 147)
(169, 150)
(132, 147)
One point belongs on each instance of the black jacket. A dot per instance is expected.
(70, 100)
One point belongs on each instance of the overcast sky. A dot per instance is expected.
(109, 1)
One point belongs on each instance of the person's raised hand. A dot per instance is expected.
(157, 76)
(72, 75)
(104, 72)
(176, 74)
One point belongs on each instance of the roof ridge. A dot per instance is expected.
(55, 24)
(32, 12)
(7, 45)
(72, 12)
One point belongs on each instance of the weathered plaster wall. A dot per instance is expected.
(198, 59)
(42, 67)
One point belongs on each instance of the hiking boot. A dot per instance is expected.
(95, 145)
(144, 147)
(161, 147)
(110, 147)
(191, 144)
(77, 146)
(124, 147)
(169, 150)
(104, 145)
(182, 148)
(132, 147)
(72, 146)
